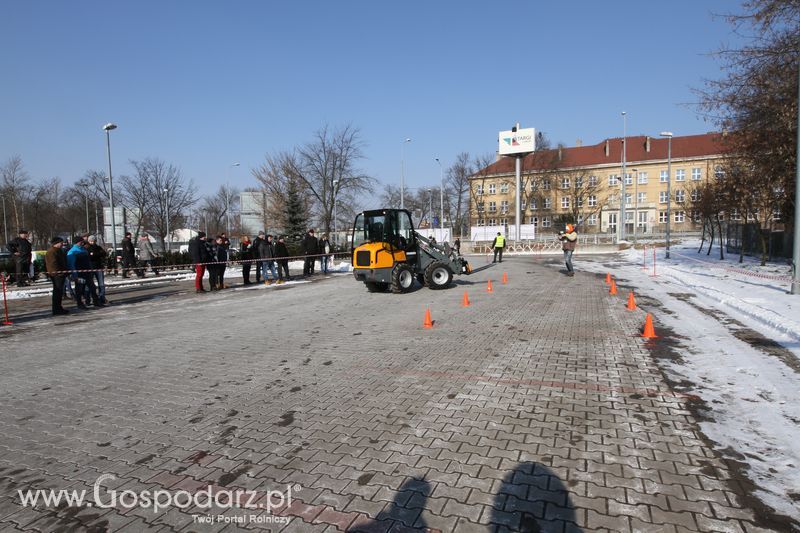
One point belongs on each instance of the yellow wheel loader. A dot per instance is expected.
(388, 254)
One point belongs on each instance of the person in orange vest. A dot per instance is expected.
(569, 240)
(499, 243)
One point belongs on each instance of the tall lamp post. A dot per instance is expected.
(107, 128)
(430, 208)
(335, 236)
(668, 135)
(402, 173)
(228, 199)
(5, 224)
(622, 183)
(166, 208)
(441, 197)
(634, 173)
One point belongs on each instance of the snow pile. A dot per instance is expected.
(737, 330)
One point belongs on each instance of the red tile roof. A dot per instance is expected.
(707, 144)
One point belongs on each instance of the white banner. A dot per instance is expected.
(517, 142)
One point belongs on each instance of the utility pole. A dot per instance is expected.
(796, 251)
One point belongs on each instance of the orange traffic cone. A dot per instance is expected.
(465, 301)
(608, 278)
(613, 289)
(505, 278)
(428, 322)
(631, 302)
(649, 332)
(489, 287)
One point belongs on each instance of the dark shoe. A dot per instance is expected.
(99, 304)
(60, 312)
(104, 301)
(82, 306)
(199, 291)
(571, 274)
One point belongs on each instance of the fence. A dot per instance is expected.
(745, 237)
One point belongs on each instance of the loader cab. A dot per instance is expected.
(390, 226)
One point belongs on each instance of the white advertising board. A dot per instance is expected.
(517, 142)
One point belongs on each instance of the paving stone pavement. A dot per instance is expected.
(537, 408)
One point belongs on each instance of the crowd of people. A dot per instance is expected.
(268, 257)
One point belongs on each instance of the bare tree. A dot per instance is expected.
(15, 184)
(457, 190)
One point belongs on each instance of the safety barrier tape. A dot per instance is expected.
(193, 265)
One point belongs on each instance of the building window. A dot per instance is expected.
(479, 190)
(695, 195)
(492, 188)
(504, 188)
(735, 215)
(479, 207)
(592, 200)
(663, 176)
(696, 174)
(492, 222)
(534, 185)
(565, 202)
(504, 222)
(480, 222)
(546, 185)
(776, 215)
(680, 175)
(565, 183)
(680, 216)
(523, 205)
(641, 197)
(613, 179)
(535, 221)
(612, 199)
(662, 217)
(680, 196)
(642, 178)
(718, 172)
(593, 219)
(547, 203)
(579, 202)
(579, 182)
(663, 197)
(545, 222)
(696, 215)
(504, 206)
(492, 207)
(533, 204)
(628, 198)
(628, 179)
(592, 181)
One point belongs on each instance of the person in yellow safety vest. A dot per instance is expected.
(498, 244)
(568, 242)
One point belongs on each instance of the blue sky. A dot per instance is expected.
(205, 84)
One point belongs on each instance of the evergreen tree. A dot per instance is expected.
(295, 211)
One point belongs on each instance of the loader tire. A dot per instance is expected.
(438, 275)
(402, 278)
(376, 286)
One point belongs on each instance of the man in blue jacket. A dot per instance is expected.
(80, 266)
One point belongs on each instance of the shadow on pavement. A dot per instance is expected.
(539, 495)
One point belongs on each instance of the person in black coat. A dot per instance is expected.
(97, 255)
(198, 252)
(281, 253)
(256, 250)
(310, 250)
(21, 250)
(246, 255)
(128, 255)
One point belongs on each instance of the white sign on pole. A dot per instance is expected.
(517, 142)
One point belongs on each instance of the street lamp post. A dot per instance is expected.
(335, 183)
(430, 208)
(622, 183)
(668, 135)
(5, 224)
(441, 197)
(166, 209)
(107, 128)
(402, 173)
(228, 199)
(635, 201)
